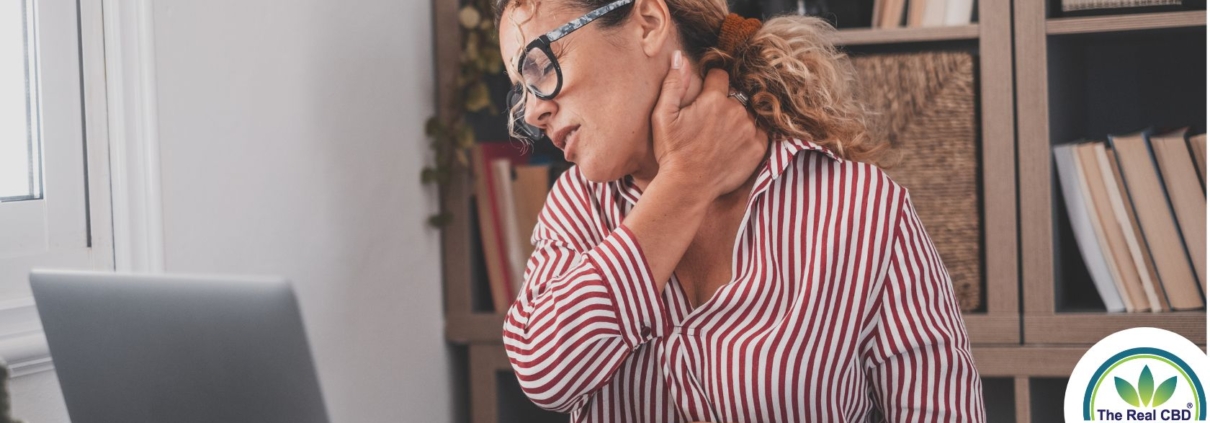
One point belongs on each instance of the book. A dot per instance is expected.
(1197, 147)
(490, 208)
(893, 13)
(1146, 192)
(934, 13)
(1074, 195)
(1125, 217)
(1179, 175)
(530, 189)
(1109, 233)
(958, 12)
(915, 14)
(502, 180)
(926, 13)
(876, 19)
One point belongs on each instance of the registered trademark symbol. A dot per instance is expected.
(1189, 405)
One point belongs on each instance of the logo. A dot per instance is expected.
(1139, 374)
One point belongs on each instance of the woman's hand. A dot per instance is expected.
(713, 142)
(705, 149)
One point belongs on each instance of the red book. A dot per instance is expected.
(490, 206)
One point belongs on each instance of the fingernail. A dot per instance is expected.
(676, 60)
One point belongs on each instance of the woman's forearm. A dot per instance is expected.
(666, 219)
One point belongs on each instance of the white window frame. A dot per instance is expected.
(133, 135)
(122, 156)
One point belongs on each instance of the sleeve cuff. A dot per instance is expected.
(642, 313)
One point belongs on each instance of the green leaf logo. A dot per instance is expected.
(1164, 392)
(1146, 386)
(1147, 395)
(1126, 391)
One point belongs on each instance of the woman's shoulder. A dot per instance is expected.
(576, 210)
(829, 177)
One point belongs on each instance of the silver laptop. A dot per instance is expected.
(177, 349)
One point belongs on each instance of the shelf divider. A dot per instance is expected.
(859, 36)
(1130, 22)
(1088, 328)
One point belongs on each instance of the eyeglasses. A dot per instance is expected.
(540, 73)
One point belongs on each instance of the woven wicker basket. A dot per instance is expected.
(925, 104)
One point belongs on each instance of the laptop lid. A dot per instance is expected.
(177, 348)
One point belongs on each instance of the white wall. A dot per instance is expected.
(291, 143)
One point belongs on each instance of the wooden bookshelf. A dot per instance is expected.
(1026, 340)
(1086, 77)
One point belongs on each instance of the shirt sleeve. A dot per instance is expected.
(919, 360)
(585, 305)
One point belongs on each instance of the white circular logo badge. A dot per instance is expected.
(1139, 374)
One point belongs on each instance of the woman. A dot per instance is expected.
(721, 250)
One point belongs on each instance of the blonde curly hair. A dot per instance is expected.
(798, 83)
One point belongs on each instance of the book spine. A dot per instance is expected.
(1077, 213)
(489, 229)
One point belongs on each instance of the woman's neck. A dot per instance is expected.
(643, 177)
(649, 168)
(645, 173)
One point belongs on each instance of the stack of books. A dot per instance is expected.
(921, 13)
(509, 193)
(1137, 207)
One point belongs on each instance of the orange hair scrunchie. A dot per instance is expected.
(735, 31)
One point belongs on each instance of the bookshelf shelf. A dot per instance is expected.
(1129, 22)
(1028, 361)
(865, 36)
(1089, 327)
(992, 329)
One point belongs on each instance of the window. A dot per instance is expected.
(20, 146)
(54, 173)
(48, 161)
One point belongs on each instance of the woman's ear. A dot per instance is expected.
(655, 26)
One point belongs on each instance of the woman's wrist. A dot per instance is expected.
(687, 186)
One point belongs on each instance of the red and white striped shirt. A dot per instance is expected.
(840, 309)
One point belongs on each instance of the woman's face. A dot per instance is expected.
(611, 80)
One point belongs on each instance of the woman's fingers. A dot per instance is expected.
(717, 81)
(713, 140)
(673, 91)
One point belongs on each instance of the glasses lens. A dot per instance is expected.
(538, 71)
(516, 103)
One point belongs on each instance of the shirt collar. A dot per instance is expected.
(781, 157)
(783, 152)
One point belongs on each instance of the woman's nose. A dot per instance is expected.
(538, 111)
